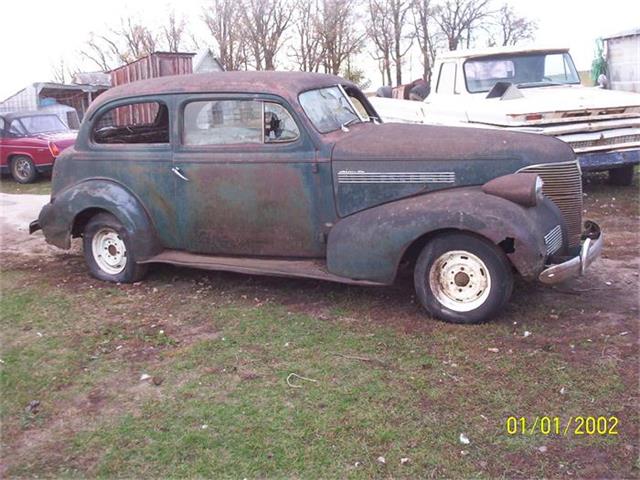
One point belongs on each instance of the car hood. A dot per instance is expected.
(396, 142)
(558, 104)
(375, 164)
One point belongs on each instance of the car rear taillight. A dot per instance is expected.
(53, 148)
(533, 116)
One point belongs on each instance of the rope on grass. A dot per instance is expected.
(301, 378)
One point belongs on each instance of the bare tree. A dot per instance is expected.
(399, 10)
(265, 22)
(96, 52)
(130, 41)
(512, 27)
(425, 34)
(457, 19)
(381, 32)
(341, 38)
(174, 32)
(60, 71)
(388, 19)
(224, 20)
(307, 47)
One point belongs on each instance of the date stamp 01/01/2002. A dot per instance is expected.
(548, 425)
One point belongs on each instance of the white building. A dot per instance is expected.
(623, 60)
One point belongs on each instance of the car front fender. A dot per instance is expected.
(369, 245)
(57, 218)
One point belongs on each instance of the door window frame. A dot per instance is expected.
(165, 100)
(181, 147)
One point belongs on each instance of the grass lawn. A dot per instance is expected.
(42, 186)
(380, 378)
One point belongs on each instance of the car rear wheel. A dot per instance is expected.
(622, 176)
(23, 169)
(461, 278)
(107, 251)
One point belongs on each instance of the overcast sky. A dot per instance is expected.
(35, 34)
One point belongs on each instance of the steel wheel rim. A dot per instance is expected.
(22, 168)
(109, 251)
(460, 280)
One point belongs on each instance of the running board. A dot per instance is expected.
(315, 269)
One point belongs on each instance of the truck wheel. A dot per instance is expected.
(622, 176)
(107, 251)
(461, 278)
(23, 170)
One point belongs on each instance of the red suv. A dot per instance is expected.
(30, 143)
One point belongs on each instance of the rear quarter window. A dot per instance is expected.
(135, 123)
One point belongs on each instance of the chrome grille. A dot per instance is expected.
(563, 185)
(553, 240)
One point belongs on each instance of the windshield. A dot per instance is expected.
(43, 124)
(328, 108)
(530, 70)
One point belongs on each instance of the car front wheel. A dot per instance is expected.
(107, 251)
(462, 278)
(23, 169)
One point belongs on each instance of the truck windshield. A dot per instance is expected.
(328, 108)
(43, 124)
(524, 70)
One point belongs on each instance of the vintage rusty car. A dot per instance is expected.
(292, 174)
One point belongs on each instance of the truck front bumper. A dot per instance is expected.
(589, 252)
(598, 161)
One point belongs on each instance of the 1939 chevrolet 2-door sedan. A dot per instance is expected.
(292, 174)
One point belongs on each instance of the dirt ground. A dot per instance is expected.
(600, 308)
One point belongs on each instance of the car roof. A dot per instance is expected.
(484, 52)
(284, 84)
(31, 113)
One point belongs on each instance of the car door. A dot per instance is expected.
(248, 179)
(129, 142)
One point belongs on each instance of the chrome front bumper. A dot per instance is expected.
(589, 252)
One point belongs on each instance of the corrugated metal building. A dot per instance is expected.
(158, 64)
(623, 60)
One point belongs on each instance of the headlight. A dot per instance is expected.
(523, 188)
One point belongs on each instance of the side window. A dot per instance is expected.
(232, 122)
(136, 123)
(278, 124)
(2, 127)
(447, 78)
(222, 122)
(16, 129)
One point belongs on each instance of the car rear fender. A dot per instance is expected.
(71, 208)
(369, 245)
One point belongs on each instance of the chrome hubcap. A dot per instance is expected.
(22, 168)
(109, 251)
(460, 280)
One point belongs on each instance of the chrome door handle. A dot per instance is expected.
(179, 173)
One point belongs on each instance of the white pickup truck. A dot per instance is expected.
(532, 90)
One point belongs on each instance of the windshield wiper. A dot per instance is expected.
(344, 126)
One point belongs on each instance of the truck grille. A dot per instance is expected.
(563, 185)
(602, 142)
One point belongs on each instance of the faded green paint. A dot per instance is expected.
(285, 200)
